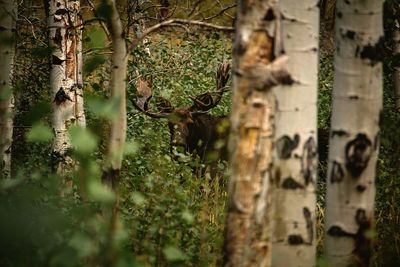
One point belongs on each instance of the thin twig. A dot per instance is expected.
(174, 23)
(220, 12)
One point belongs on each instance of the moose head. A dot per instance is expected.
(192, 128)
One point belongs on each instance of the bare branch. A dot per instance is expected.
(222, 11)
(174, 23)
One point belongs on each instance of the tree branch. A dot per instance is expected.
(175, 23)
(220, 12)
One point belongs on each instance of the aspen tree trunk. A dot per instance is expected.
(119, 61)
(66, 83)
(116, 142)
(257, 68)
(8, 17)
(354, 141)
(295, 163)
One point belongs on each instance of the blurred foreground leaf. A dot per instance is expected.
(39, 133)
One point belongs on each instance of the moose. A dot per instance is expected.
(192, 128)
(196, 131)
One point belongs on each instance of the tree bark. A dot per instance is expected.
(257, 68)
(8, 17)
(354, 141)
(295, 163)
(119, 61)
(66, 83)
(116, 142)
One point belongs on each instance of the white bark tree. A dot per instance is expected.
(66, 82)
(258, 67)
(354, 141)
(295, 163)
(119, 62)
(116, 141)
(8, 17)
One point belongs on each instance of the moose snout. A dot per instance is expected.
(178, 143)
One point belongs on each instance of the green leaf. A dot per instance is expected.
(130, 148)
(96, 38)
(82, 140)
(37, 112)
(187, 216)
(138, 198)
(93, 63)
(103, 108)
(100, 192)
(9, 183)
(39, 133)
(83, 245)
(174, 254)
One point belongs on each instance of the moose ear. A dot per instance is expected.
(163, 105)
(202, 102)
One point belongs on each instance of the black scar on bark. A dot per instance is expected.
(308, 161)
(337, 231)
(290, 183)
(354, 97)
(285, 145)
(350, 34)
(347, 2)
(56, 60)
(295, 240)
(358, 152)
(361, 188)
(337, 172)
(61, 11)
(61, 97)
(240, 46)
(339, 14)
(269, 15)
(287, 80)
(374, 52)
(363, 244)
(309, 224)
(339, 133)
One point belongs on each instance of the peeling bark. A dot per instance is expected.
(257, 68)
(357, 103)
(66, 83)
(294, 170)
(8, 17)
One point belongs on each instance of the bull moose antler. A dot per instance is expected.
(144, 94)
(205, 102)
(202, 103)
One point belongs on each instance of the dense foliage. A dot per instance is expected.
(170, 215)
